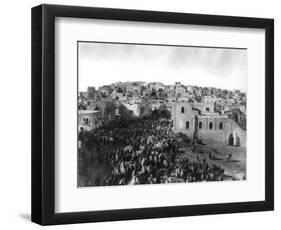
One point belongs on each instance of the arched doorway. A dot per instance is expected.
(230, 140)
(237, 140)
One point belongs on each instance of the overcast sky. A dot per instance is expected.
(105, 63)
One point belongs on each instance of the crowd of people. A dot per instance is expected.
(149, 154)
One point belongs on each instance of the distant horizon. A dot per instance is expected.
(100, 64)
(149, 82)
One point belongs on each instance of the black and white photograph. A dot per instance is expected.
(145, 113)
(159, 113)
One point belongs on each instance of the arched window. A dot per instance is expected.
(211, 125)
(182, 109)
(220, 125)
(200, 124)
(207, 109)
(187, 125)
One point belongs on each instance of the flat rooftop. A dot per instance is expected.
(88, 111)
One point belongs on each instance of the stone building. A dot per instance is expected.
(106, 108)
(209, 99)
(88, 119)
(205, 108)
(199, 120)
(179, 89)
(134, 107)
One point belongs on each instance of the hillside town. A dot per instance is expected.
(149, 133)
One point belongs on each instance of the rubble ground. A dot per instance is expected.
(234, 169)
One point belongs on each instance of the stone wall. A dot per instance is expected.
(88, 120)
(210, 126)
(135, 108)
(222, 130)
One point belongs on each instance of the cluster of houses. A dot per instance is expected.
(206, 112)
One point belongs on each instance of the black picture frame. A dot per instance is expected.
(43, 113)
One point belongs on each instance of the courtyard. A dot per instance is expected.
(235, 168)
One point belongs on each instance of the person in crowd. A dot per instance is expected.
(148, 155)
